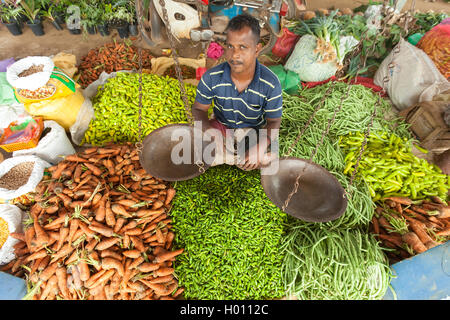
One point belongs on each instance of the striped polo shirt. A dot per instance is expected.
(250, 108)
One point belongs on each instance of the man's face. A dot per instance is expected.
(241, 50)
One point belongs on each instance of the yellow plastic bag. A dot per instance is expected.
(63, 110)
(64, 86)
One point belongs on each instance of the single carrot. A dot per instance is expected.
(130, 225)
(178, 292)
(61, 276)
(161, 272)
(111, 263)
(120, 210)
(401, 200)
(87, 231)
(63, 233)
(83, 268)
(119, 223)
(136, 262)
(75, 158)
(126, 202)
(73, 227)
(110, 254)
(55, 223)
(106, 243)
(148, 267)
(131, 253)
(94, 278)
(65, 251)
(138, 244)
(109, 216)
(56, 174)
(419, 230)
(170, 195)
(133, 232)
(414, 242)
(95, 170)
(37, 255)
(101, 210)
(18, 236)
(105, 277)
(168, 255)
(51, 289)
(42, 237)
(48, 272)
(105, 231)
(169, 239)
(395, 239)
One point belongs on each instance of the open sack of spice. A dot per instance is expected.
(20, 175)
(10, 222)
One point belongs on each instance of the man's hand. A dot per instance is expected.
(256, 157)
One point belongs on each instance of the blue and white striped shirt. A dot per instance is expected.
(249, 109)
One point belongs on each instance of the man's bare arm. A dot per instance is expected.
(200, 113)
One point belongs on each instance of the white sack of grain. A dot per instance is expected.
(20, 175)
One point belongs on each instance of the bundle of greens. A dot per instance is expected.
(231, 234)
(327, 32)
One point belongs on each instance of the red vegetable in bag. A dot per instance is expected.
(436, 44)
(285, 43)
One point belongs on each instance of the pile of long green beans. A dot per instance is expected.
(337, 265)
(390, 169)
(116, 107)
(231, 234)
(355, 115)
(331, 260)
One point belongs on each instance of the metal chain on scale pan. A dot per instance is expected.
(178, 71)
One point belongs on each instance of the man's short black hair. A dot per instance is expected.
(245, 20)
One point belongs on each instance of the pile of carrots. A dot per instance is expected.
(99, 229)
(111, 57)
(409, 227)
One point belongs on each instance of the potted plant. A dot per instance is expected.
(10, 17)
(119, 18)
(133, 28)
(50, 14)
(32, 12)
(91, 14)
(59, 11)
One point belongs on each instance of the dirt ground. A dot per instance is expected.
(55, 41)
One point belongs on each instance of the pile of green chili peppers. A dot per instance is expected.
(116, 107)
(232, 235)
(389, 167)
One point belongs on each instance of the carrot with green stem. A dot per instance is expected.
(414, 242)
